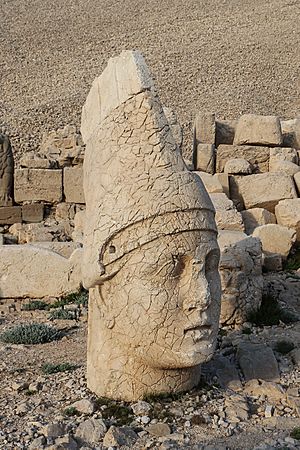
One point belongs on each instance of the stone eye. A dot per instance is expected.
(178, 266)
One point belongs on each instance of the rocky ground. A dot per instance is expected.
(225, 56)
(241, 403)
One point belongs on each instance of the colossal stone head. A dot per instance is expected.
(150, 249)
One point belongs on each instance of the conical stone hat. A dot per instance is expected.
(136, 184)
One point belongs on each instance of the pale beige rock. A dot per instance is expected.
(64, 249)
(241, 279)
(63, 147)
(288, 214)
(38, 185)
(258, 130)
(291, 132)
(297, 181)
(175, 127)
(77, 235)
(225, 131)
(283, 154)
(211, 183)
(257, 156)
(33, 212)
(238, 166)
(272, 391)
(226, 238)
(6, 171)
(73, 184)
(65, 211)
(31, 160)
(255, 217)
(286, 167)
(151, 266)
(28, 271)
(205, 128)
(227, 217)
(265, 190)
(276, 239)
(224, 180)
(204, 158)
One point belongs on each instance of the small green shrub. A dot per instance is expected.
(118, 410)
(61, 314)
(293, 260)
(284, 347)
(32, 333)
(79, 298)
(246, 331)
(35, 305)
(295, 434)
(270, 313)
(71, 411)
(49, 368)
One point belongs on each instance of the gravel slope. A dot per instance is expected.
(227, 56)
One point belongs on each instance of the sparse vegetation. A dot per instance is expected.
(284, 347)
(270, 313)
(119, 411)
(49, 368)
(293, 260)
(35, 305)
(32, 333)
(62, 314)
(295, 434)
(79, 298)
(71, 411)
(246, 331)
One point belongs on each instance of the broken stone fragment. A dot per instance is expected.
(258, 130)
(276, 239)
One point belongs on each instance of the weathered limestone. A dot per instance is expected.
(33, 212)
(38, 185)
(151, 266)
(77, 235)
(238, 166)
(224, 180)
(205, 128)
(226, 238)
(258, 130)
(47, 274)
(65, 211)
(227, 217)
(288, 214)
(10, 215)
(297, 181)
(31, 160)
(175, 127)
(276, 239)
(64, 249)
(204, 158)
(284, 160)
(63, 146)
(6, 171)
(291, 133)
(225, 130)
(73, 184)
(265, 190)
(286, 167)
(211, 182)
(255, 217)
(257, 361)
(241, 279)
(257, 156)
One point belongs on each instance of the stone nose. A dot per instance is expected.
(197, 295)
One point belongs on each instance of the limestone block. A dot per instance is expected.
(227, 238)
(288, 214)
(204, 158)
(33, 212)
(31, 160)
(63, 147)
(255, 217)
(238, 166)
(77, 235)
(227, 217)
(73, 184)
(47, 274)
(257, 156)
(286, 167)
(224, 180)
(38, 185)
(211, 182)
(65, 211)
(10, 215)
(241, 279)
(42, 232)
(205, 128)
(225, 131)
(265, 190)
(276, 239)
(64, 249)
(258, 130)
(291, 132)
(257, 361)
(283, 154)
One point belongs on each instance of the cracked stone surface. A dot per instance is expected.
(150, 249)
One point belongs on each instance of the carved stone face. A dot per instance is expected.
(163, 306)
